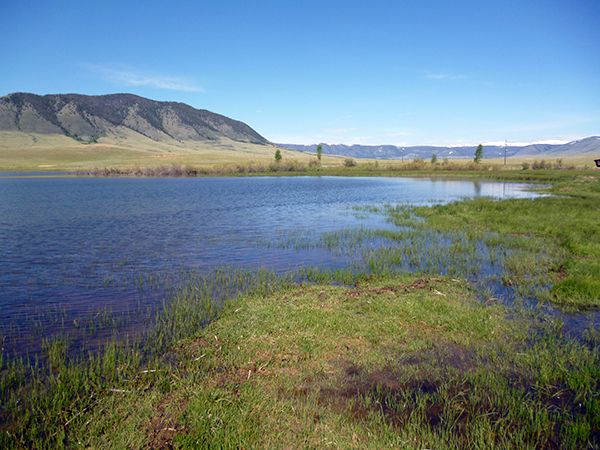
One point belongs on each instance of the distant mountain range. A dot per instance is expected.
(87, 118)
(589, 146)
(121, 117)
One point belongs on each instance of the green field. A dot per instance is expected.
(353, 359)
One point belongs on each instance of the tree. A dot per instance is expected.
(478, 154)
(277, 155)
(319, 151)
(433, 158)
(349, 162)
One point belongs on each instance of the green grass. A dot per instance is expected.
(557, 236)
(395, 361)
(43, 399)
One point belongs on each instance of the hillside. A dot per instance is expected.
(588, 146)
(87, 118)
(72, 132)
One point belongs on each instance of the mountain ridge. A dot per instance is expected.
(586, 145)
(87, 118)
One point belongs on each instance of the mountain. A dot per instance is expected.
(590, 145)
(581, 146)
(87, 118)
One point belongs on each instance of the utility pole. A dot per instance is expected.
(505, 144)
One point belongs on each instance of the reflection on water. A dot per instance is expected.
(72, 246)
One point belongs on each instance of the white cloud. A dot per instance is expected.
(339, 130)
(131, 77)
(397, 133)
(347, 136)
(545, 126)
(443, 76)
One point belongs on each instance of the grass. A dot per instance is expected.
(399, 361)
(36, 152)
(559, 234)
(42, 399)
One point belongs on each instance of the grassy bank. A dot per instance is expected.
(400, 361)
(335, 167)
(557, 236)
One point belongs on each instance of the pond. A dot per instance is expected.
(71, 247)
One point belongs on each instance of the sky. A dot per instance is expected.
(354, 72)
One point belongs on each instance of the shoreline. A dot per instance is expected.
(484, 173)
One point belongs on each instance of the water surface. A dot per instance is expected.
(70, 247)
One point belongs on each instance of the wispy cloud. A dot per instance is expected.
(131, 77)
(556, 125)
(397, 133)
(348, 136)
(443, 76)
(339, 130)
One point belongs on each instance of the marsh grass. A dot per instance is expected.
(43, 395)
(556, 238)
(177, 170)
(339, 167)
(388, 362)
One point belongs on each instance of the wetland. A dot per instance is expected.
(383, 311)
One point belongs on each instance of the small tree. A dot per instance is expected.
(349, 162)
(478, 154)
(319, 152)
(277, 155)
(433, 158)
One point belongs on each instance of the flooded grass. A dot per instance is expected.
(396, 361)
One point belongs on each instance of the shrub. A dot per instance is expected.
(537, 165)
(349, 162)
(287, 166)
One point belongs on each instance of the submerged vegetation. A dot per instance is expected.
(557, 236)
(364, 356)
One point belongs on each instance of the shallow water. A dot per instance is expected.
(70, 247)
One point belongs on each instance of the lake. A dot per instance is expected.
(71, 247)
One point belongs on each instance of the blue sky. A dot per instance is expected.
(376, 72)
